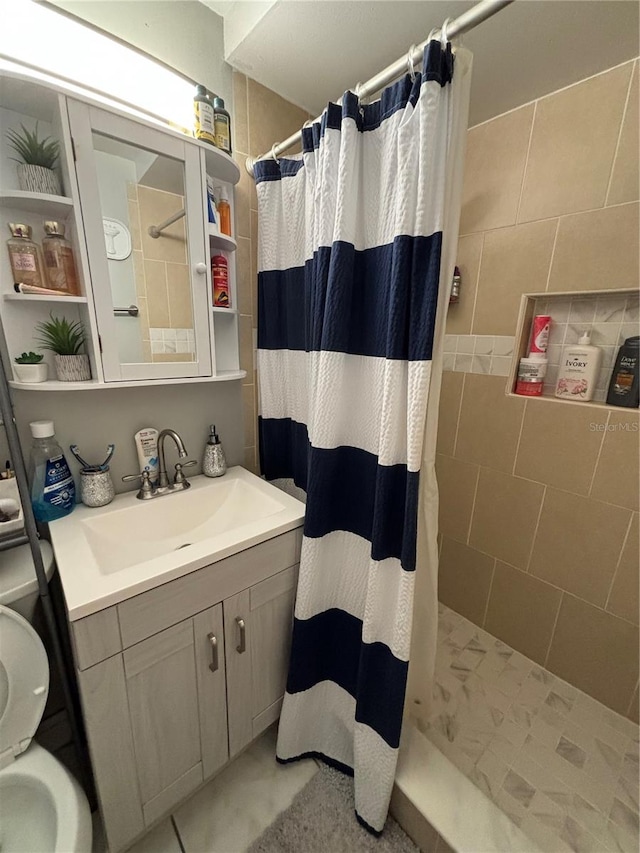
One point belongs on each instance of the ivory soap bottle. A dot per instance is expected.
(579, 370)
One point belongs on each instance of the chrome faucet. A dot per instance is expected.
(164, 487)
(163, 480)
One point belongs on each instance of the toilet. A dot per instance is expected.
(42, 807)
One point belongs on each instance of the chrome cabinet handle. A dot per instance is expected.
(242, 645)
(213, 640)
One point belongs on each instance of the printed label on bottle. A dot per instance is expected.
(204, 128)
(59, 488)
(23, 261)
(223, 137)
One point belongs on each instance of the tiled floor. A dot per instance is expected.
(232, 810)
(561, 765)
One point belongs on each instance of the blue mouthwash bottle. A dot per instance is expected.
(53, 492)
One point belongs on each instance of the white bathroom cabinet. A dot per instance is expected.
(146, 304)
(176, 681)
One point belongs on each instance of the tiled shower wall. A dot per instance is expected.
(260, 118)
(539, 498)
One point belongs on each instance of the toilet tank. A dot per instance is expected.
(18, 583)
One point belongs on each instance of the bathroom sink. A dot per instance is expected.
(173, 522)
(106, 555)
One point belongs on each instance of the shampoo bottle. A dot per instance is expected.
(53, 491)
(579, 370)
(624, 388)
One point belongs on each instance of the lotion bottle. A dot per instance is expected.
(214, 463)
(579, 370)
(147, 448)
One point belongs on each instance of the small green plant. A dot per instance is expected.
(61, 336)
(31, 149)
(29, 358)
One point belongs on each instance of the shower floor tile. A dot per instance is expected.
(560, 764)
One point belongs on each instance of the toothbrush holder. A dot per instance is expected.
(96, 487)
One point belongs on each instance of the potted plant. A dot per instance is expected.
(65, 339)
(37, 159)
(29, 367)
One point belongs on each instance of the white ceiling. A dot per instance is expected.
(310, 52)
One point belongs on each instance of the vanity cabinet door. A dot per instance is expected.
(258, 624)
(212, 695)
(161, 676)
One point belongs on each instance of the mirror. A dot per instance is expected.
(142, 206)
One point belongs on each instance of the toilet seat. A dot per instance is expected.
(24, 684)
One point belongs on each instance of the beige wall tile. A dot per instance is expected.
(623, 598)
(244, 190)
(456, 487)
(450, 398)
(156, 206)
(271, 118)
(240, 141)
(514, 261)
(489, 423)
(522, 611)
(460, 314)
(493, 171)
(597, 250)
(157, 298)
(250, 460)
(624, 181)
(243, 275)
(171, 356)
(246, 347)
(559, 446)
(617, 480)
(249, 410)
(179, 289)
(595, 651)
(578, 544)
(138, 273)
(563, 174)
(464, 579)
(633, 707)
(505, 516)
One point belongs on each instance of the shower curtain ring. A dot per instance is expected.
(410, 69)
(444, 34)
(273, 153)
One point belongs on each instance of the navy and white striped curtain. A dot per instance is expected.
(350, 248)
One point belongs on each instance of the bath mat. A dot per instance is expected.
(321, 819)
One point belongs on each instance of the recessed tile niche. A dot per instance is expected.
(609, 316)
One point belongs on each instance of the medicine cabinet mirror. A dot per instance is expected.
(143, 210)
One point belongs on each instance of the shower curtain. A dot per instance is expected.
(354, 264)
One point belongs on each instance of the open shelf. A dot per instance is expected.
(45, 297)
(221, 241)
(96, 385)
(609, 316)
(218, 309)
(48, 205)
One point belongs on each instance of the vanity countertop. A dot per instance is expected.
(108, 555)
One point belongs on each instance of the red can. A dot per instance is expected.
(220, 276)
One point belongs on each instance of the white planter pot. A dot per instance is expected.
(73, 368)
(30, 372)
(38, 179)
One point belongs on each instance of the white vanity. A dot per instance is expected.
(180, 612)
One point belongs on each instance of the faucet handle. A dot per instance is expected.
(146, 487)
(179, 477)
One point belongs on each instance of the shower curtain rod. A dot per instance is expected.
(462, 24)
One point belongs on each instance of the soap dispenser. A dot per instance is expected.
(214, 463)
(579, 370)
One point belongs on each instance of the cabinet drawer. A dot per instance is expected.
(96, 637)
(153, 611)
